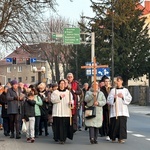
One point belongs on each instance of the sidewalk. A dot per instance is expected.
(139, 109)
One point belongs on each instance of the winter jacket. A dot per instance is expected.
(28, 109)
(37, 105)
(3, 102)
(89, 99)
(14, 105)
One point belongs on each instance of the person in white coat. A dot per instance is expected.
(119, 98)
(62, 100)
(94, 123)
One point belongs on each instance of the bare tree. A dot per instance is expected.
(53, 50)
(18, 17)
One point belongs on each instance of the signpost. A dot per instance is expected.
(100, 71)
(71, 36)
(94, 67)
(56, 35)
(33, 60)
(8, 59)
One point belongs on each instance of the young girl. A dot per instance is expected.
(29, 117)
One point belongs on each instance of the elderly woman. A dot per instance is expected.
(62, 100)
(94, 98)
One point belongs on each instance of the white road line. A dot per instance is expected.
(129, 131)
(138, 135)
(147, 139)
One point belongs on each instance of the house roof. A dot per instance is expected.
(145, 8)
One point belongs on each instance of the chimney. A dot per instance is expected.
(147, 5)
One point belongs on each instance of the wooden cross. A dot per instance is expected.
(94, 67)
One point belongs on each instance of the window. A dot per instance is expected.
(19, 68)
(8, 69)
(32, 78)
(9, 79)
(19, 79)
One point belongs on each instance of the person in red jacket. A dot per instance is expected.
(73, 86)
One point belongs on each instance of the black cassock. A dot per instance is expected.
(118, 128)
(62, 128)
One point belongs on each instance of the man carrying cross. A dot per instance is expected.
(94, 97)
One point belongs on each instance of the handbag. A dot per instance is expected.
(90, 112)
(24, 128)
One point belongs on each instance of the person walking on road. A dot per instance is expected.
(74, 88)
(15, 99)
(95, 123)
(119, 98)
(62, 100)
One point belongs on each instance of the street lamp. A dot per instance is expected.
(112, 44)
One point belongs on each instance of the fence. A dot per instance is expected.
(140, 95)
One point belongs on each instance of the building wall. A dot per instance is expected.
(16, 71)
(142, 81)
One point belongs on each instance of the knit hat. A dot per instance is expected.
(14, 82)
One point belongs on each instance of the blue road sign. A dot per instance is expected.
(99, 71)
(8, 59)
(33, 60)
(88, 70)
(103, 71)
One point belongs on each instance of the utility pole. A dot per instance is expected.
(92, 50)
(112, 45)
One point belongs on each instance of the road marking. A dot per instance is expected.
(147, 139)
(129, 131)
(138, 135)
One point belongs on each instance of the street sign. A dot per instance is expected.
(8, 59)
(88, 70)
(103, 71)
(71, 36)
(56, 35)
(33, 60)
(99, 71)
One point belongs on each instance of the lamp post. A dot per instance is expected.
(112, 44)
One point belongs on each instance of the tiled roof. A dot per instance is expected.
(146, 8)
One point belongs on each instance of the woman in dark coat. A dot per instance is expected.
(3, 102)
(44, 108)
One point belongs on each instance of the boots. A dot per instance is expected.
(12, 135)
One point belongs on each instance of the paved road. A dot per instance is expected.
(138, 137)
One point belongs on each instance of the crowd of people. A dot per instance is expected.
(62, 106)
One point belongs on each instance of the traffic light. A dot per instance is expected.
(28, 61)
(14, 60)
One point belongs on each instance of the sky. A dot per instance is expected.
(73, 10)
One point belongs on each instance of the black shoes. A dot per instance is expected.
(46, 134)
(92, 141)
(18, 136)
(95, 142)
(6, 134)
(12, 135)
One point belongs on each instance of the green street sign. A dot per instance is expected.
(71, 36)
(56, 35)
